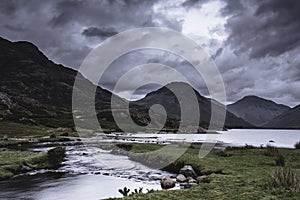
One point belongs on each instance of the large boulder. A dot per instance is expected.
(167, 183)
(188, 171)
(181, 178)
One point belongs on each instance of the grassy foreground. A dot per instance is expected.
(236, 173)
(11, 162)
(15, 162)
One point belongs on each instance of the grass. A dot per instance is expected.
(284, 178)
(11, 161)
(11, 129)
(242, 175)
(5, 143)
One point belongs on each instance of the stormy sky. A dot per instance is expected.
(254, 43)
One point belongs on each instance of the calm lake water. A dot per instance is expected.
(238, 137)
(85, 177)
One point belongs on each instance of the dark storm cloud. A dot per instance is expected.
(266, 28)
(97, 32)
(260, 55)
(64, 29)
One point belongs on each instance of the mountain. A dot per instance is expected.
(257, 110)
(288, 119)
(167, 98)
(35, 90)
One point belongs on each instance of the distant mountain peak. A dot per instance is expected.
(288, 119)
(257, 110)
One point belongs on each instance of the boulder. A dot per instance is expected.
(167, 183)
(25, 168)
(181, 178)
(188, 171)
(187, 185)
(191, 180)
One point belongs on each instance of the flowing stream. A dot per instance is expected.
(82, 177)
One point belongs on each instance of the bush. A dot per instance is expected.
(53, 136)
(279, 161)
(271, 151)
(222, 153)
(65, 134)
(284, 178)
(297, 145)
(56, 156)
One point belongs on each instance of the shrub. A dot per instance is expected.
(222, 153)
(52, 136)
(284, 178)
(125, 191)
(271, 151)
(297, 145)
(56, 156)
(65, 134)
(126, 147)
(280, 161)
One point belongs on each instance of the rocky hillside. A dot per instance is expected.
(166, 97)
(289, 119)
(256, 110)
(34, 90)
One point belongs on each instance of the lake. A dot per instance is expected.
(237, 137)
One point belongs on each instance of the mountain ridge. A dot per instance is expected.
(257, 110)
(36, 90)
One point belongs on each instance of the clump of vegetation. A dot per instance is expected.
(56, 139)
(56, 156)
(222, 153)
(52, 136)
(284, 178)
(126, 147)
(297, 145)
(271, 151)
(137, 191)
(280, 161)
(14, 162)
(65, 134)
(125, 191)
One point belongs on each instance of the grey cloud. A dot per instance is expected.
(266, 28)
(63, 29)
(99, 32)
(261, 55)
(193, 3)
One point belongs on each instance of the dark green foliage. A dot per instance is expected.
(137, 191)
(56, 156)
(126, 147)
(150, 191)
(222, 153)
(284, 178)
(280, 161)
(271, 151)
(125, 191)
(297, 145)
(65, 134)
(52, 136)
